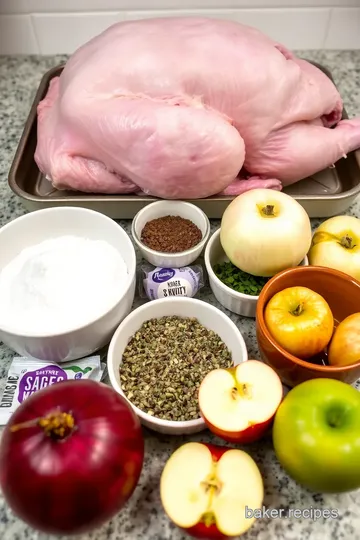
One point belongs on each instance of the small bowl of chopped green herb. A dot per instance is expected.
(160, 354)
(234, 289)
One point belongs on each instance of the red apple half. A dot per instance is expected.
(238, 404)
(207, 490)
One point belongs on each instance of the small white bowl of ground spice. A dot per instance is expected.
(160, 354)
(234, 289)
(170, 233)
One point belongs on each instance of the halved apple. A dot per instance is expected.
(207, 490)
(238, 404)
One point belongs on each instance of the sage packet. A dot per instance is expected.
(27, 376)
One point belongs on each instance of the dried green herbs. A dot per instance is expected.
(238, 280)
(164, 363)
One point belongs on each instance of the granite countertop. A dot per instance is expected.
(143, 517)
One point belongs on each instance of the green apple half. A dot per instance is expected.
(316, 435)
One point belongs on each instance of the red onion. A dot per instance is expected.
(71, 457)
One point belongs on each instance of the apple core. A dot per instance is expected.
(239, 403)
(201, 490)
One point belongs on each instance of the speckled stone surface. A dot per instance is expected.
(143, 517)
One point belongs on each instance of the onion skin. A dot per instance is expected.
(76, 484)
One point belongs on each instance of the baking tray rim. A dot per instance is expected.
(47, 76)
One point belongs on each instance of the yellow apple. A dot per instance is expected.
(300, 320)
(336, 244)
(344, 348)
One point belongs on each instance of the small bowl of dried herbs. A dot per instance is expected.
(170, 233)
(234, 289)
(160, 354)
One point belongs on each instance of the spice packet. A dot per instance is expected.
(25, 377)
(157, 282)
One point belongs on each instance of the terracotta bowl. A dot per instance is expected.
(342, 293)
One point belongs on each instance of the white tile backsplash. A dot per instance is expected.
(17, 35)
(295, 28)
(53, 6)
(315, 25)
(344, 29)
(212, 13)
(64, 33)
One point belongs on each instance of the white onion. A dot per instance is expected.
(265, 231)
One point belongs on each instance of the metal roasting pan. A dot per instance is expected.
(325, 194)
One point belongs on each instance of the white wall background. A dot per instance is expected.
(60, 26)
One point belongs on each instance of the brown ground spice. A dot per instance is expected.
(170, 234)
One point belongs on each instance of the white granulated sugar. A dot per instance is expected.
(60, 284)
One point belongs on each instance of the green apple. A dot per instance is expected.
(316, 435)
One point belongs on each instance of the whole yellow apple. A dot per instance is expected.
(300, 320)
(344, 348)
(336, 244)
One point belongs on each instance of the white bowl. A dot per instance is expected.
(208, 315)
(242, 304)
(170, 208)
(42, 225)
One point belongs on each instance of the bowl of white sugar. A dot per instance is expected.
(67, 280)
